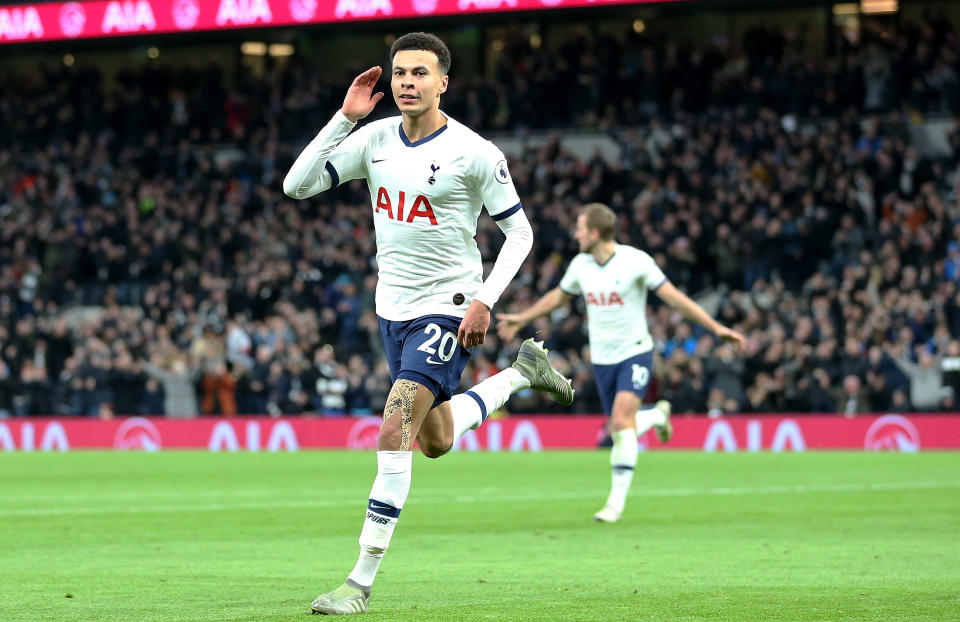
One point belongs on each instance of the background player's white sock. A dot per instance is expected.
(387, 497)
(623, 459)
(472, 407)
(647, 418)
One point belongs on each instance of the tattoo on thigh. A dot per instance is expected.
(401, 402)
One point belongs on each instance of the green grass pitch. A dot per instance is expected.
(213, 536)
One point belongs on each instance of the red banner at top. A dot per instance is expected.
(79, 20)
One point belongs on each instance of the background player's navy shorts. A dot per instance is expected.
(632, 374)
(425, 350)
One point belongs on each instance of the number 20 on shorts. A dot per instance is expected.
(446, 347)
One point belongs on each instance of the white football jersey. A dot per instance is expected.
(426, 198)
(616, 297)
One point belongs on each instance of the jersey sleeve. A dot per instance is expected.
(570, 283)
(349, 160)
(649, 273)
(493, 184)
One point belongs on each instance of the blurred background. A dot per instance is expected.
(791, 165)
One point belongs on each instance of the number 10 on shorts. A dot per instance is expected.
(641, 375)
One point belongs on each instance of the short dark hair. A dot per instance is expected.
(601, 218)
(423, 41)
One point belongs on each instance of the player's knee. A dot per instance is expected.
(389, 437)
(433, 450)
(620, 419)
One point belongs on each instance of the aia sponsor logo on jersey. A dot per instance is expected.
(397, 209)
(604, 299)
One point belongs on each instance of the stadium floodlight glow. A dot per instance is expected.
(879, 6)
(846, 8)
(280, 49)
(253, 48)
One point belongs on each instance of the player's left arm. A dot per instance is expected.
(668, 293)
(496, 190)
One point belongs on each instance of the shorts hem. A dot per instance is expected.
(423, 379)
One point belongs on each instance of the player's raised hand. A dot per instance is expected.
(473, 328)
(733, 337)
(508, 325)
(360, 98)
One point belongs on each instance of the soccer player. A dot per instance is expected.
(614, 279)
(428, 177)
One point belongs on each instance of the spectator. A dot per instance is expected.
(7, 390)
(927, 391)
(852, 398)
(180, 398)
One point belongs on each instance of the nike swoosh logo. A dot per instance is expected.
(432, 362)
(375, 161)
(378, 506)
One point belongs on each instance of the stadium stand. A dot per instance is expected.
(149, 262)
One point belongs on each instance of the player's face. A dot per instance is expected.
(585, 236)
(417, 82)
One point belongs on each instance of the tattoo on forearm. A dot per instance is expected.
(401, 402)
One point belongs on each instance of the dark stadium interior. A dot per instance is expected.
(776, 164)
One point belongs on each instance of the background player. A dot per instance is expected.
(428, 177)
(614, 280)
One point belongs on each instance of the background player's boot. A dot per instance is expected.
(664, 430)
(345, 600)
(533, 364)
(607, 515)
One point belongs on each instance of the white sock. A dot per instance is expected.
(648, 418)
(623, 459)
(466, 414)
(387, 497)
(472, 407)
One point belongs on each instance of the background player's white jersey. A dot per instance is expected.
(616, 297)
(426, 198)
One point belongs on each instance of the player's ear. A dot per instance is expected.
(444, 81)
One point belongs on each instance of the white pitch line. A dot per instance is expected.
(358, 502)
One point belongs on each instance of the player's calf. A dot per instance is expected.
(431, 447)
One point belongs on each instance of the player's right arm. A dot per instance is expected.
(668, 293)
(508, 324)
(332, 157)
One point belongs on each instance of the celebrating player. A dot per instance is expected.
(428, 177)
(614, 279)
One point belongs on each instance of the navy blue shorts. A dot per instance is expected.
(632, 374)
(425, 350)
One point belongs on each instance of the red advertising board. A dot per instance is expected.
(100, 18)
(767, 433)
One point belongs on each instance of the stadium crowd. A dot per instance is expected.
(149, 262)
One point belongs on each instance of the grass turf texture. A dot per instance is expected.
(214, 536)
